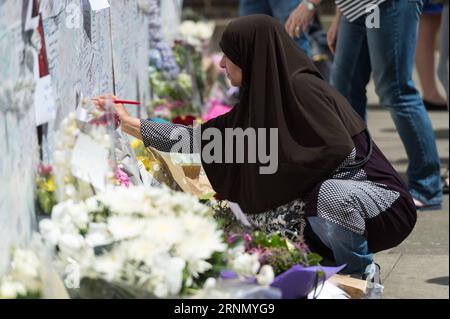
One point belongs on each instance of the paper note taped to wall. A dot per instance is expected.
(44, 101)
(97, 5)
(90, 162)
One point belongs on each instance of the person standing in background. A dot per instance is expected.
(443, 67)
(443, 47)
(382, 48)
(280, 10)
(425, 63)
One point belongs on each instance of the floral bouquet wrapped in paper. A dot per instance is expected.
(296, 270)
(154, 165)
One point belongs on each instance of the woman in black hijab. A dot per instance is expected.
(330, 176)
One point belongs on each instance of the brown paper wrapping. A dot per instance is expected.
(190, 178)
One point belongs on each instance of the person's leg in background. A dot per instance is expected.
(443, 50)
(351, 66)
(347, 247)
(392, 51)
(425, 61)
(320, 52)
(443, 70)
(281, 9)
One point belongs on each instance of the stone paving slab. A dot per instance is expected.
(419, 267)
(418, 277)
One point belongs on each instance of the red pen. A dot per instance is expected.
(124, 102)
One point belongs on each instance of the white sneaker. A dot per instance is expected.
(374, 287)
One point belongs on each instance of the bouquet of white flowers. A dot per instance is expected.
(154, 240)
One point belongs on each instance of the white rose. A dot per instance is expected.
(144, 250)
(188, 28)
(50, 232)
(166, 229)
(79, 216)
(205, 30)
(98, 235)
(198, 267)
(124, 227)
(11, 289)
(174, 275)
(25, 265)
(70, 190)
(246, 265)
(210, 283)
(161, 290)
(265, 276)
(109, 266)
(71, 244)
(62, 218)
(91, 204)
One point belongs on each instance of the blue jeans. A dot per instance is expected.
(280, 10)
(348, 247)
(388, 52)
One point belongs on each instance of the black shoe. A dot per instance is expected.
(430, 106)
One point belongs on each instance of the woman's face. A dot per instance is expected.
(234, 73)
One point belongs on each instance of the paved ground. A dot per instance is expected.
(419, 267)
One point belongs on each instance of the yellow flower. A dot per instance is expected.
(144, 161)
(49, 186)
(136, 144)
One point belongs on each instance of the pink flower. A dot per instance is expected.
(122, 178)
(247, 237)
(45, 169)
(216, 109)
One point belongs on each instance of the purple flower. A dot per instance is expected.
(231, 239)
(301, 246)
(247, 237)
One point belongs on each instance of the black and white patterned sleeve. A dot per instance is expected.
(168, 137)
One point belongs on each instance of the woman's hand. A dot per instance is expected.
(332, 33)
(130, 125)
(299, 21)
(100, 102)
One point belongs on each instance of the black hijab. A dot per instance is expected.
(281, 89)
